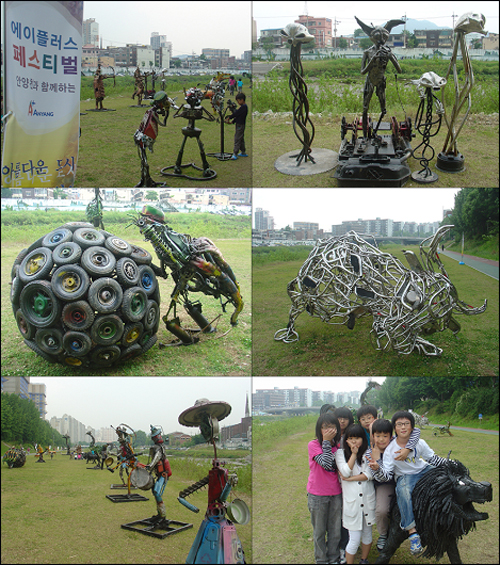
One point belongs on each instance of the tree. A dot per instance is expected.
(6, 193)
(151, 195)
(365, 43)
(358, 31)
(342, 42)
(268, 46)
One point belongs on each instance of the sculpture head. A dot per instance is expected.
(471, 23)
(153, 213)
(296, 34)
(429, 80)
(379, 34)
(156, 434)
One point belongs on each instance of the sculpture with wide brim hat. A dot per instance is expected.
(194, 416)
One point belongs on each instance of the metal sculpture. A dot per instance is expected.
(196, 265)
(94, 454)
(373, 65)
(14, 457)
(142, 476)
(442, 430)
(450, 159)
(99, 91)
(443, 507)
(346, 277)
(66, 439)
(147, 132)
(371, 385)
(426, 85)
(94, 210)
(216, 540)
(216, 91)
(139, 83)
(83, 297)
(192, 111)
(296, 35)
(39, 454)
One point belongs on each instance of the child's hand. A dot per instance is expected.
(344, 478)
(354, 448)
(374, 466)
(329, 434)
(403, 454)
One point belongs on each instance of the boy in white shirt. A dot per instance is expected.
(406, 472)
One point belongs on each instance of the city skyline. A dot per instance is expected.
(101, 402)
(329, 207)
(206, 24)
(274, 15)
(325, 384)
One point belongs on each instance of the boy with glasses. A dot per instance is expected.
(406, 472)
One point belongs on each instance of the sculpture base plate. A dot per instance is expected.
(424, 177)
(126, 498)
(450, 163)
(157, 528)
(103, 110)
(139, 106)
(220, 156)
(325, 160)
(121, 486)
(210, 173)
(364, 164)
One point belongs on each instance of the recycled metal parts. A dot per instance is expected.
(83, 297)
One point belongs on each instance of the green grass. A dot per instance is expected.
(325, 349)
(57, 513)
(486, 248)
(283, 531)
(108, 155)
(215, 354)
(273, 137)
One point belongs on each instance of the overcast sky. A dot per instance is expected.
(141, 401)
(333, 384)
(270, 15)
(329, 206)
(190, 26)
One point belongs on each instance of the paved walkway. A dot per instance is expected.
(476, 430)
(486, 266)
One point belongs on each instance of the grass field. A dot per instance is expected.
(56, 512)
(108, 155)
(325, 349)
(283, 532)
(215, 354)
(273, 136)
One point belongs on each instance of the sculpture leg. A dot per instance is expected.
(178, 163)
(367, 96)
(207, 172)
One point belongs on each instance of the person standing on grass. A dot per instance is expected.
(240, 85)
(324, 494)
(238, 117)
(358, 492)
(407, 472)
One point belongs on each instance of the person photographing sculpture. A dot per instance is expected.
(406, 473)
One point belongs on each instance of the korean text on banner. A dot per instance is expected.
(42, 70)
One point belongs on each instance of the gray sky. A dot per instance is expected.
(328, 206)
(141, 401)
(333, 384)
(270, 15)
(190, 26)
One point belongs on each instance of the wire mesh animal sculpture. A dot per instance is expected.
(443, 502)
(345, 278)
(296, 35)
(196, 265)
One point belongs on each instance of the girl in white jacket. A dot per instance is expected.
(358, 492)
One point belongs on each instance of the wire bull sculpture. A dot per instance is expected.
(345, 278)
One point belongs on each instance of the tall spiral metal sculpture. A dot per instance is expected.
(296, 35)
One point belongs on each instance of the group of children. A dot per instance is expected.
(355, 470)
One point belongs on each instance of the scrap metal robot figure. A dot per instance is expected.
(216, 540)
(146, 134)
(161, 467)
(196, 265)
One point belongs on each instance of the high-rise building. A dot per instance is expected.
(263, 221)
(91, 32)
(38, 395)
(320, 28)
(157, 40)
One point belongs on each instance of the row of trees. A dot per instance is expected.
(21, 423)
(464, 396)
(475, 213)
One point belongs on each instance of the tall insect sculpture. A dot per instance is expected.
(296, 35)
(216, 540)
(450, 159)
(196, 265)
(345, 278)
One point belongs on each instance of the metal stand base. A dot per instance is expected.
(150, 527)
(121, 486)
(210, 173)
(324, 160)
(221, 156)
(139, 106)
(126, 498)
(425, 176)
(450, 163)
(103, 110)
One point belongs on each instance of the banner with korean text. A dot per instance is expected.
(42, 75)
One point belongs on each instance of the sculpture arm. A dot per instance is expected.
(395, 62)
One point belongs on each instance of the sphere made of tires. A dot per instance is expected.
(85, 298)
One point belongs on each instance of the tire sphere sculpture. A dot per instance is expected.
(85, 298)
